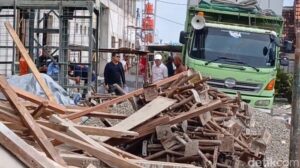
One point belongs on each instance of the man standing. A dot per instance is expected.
(114, 74)
(159, 70)
(44, 60)
(126, 63)
(170, 66)
(179, 66)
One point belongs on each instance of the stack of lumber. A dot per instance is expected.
(178, 122)
(34, 131)
(189, 122)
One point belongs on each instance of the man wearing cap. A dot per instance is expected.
(159, 70)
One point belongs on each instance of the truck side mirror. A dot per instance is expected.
(183, 37)
(288, 46)
(284, 61)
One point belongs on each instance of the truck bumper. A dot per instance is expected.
(257, 102)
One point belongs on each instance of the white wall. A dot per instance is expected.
(117, 25)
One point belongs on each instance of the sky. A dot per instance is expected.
(171, 18)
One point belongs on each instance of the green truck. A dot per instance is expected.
(238, 48)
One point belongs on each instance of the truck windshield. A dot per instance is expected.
(255, 49)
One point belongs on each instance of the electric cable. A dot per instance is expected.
(169, 20)
(171, 3)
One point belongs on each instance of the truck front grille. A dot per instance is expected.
(240, 86)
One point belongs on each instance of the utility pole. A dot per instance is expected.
(295, 129)
(155, 13)
(136, 27)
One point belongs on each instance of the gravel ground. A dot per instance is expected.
(277, 153)
(123, 108)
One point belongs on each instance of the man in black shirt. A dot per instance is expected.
(114, 74)
(44, 60)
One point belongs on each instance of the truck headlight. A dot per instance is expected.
(262, 103)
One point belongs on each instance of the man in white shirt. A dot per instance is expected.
(125, 63)
(159, 70)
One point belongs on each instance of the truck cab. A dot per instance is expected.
(238, 49)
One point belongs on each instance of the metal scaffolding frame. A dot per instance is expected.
(30, 17)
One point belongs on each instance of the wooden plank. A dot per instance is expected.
(38, 100)
(40, 110)
(100, 154)
(107, 115)
(99, 114)
(9, 117)
(89, 130)
(157, 164)
(196, 112)
(144, 129)
(28, 120)
(91, 166)
(82, 161)
(10, 160)
(7, 107)
(14, 126)
(121, 98)
(107, 132)
(26, 153)
(29, 61)
(145, 113)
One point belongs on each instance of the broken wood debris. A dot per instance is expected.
(183, 123)
(204, 127)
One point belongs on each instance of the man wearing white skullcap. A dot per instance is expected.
(159, 70)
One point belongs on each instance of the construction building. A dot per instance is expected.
(74, 30)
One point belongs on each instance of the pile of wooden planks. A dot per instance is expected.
(34, 131)
(186, 121)
(179, 122)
